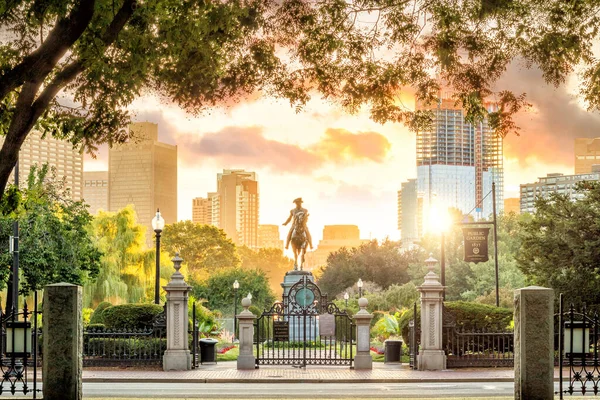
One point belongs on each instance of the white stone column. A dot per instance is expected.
(431, 354)
(246, 359)
(362, 319)
(177, 356)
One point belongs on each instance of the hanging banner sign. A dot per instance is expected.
(476, 244)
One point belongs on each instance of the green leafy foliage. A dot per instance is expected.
(218, 292)
(560, 245)
(127, 266)
(97, 316)
(383, 264)
(131, 316)
(200, 53)
(202, 247)
(385, 327)
(54, 240)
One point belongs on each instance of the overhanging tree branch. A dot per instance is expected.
(37, 65)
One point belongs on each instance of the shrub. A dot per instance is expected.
(385, 327)
(97, 317)
(131, 316)
(466, 316)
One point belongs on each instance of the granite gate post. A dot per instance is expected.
(177, 356)
(362, 319)
(246, 359)
(534, 343)
(63, 342)
(431, 355)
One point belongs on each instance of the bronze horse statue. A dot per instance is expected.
(299, 240)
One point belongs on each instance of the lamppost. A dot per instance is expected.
(360, 285)
(236, 286)
(346, 297)
(12, 297)
(158, 223)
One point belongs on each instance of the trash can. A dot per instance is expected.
(393, 351)
(208, 350)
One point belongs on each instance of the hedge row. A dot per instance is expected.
(131, 316)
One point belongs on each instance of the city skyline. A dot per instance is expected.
(318, 154)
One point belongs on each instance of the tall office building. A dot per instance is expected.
(410, 212)
(554, 183)
(235, 206)
(457, 162)
(58, 154)
(334, 238)
(143, 172)
(268, 237)
(587, 154)
(202, 211)
(95, 190)
(512, 204)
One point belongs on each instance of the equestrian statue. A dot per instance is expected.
(298, 235)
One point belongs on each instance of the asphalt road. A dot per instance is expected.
(298, 390)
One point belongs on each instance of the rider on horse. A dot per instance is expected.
(293, 215)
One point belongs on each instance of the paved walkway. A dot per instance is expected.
(227, 372)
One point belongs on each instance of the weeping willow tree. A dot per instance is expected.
(127, 266)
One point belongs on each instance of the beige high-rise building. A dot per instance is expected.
(202, 211)
(235, 206)
(587, 154)
(512, 204)
(95, 190)
(268, 237)
(58, 154)
(334, 238)
(143, 172)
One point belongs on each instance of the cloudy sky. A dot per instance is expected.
(347, 167)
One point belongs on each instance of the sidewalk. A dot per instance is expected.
(226, 372)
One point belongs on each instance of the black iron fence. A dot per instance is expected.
(125, 347)
(478, 347)
(19, 351)
(578, 359)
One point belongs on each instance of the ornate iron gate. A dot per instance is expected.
(304, 329)
(578, 358)
(19, 351)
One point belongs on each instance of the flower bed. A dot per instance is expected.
(225, 349)
(376, 350)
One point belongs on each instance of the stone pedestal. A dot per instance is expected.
(431, 355)
(362, 319)
(293, 277)
(63, 342)
(296, 325)
(534, 343)
(177, 356)
(246, 359)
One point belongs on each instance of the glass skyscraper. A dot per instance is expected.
(458, 161)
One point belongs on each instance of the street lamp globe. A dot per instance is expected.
(158, 222)
(249, 296)
(359, 283)
(236, 285)
(346, 296)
